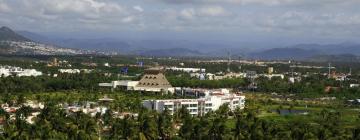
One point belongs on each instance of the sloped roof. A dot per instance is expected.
(154, 78)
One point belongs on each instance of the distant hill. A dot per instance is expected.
(343, 51)
(333, 49)
(335, 58)
(150, 46)
(14, 43)
(35, 37)
(285, 54)
(6, 34)
(197, 48)
(179, 52)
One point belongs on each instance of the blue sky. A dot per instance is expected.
(289, 21)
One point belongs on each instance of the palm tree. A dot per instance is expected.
(165, 125)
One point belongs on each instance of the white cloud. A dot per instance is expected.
(138, 8)
(213, 11)
(4, 7)
(201, 12)
(336, 16)
(188, 13)
(128, 19)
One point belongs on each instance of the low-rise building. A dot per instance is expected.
(197, 107)
(124, 84)
(270, 76)
(188, 70)
(17, 71)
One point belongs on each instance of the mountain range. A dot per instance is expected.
(6, 34)
(180, 48)
(308, 51)
(12, 42)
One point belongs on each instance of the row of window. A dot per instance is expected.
(189, 105)
(150, 77)
(153, 84)
(190, 110)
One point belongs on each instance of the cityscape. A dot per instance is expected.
(179, 70)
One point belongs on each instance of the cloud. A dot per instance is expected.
(295, 3)
(4, 7)
(188, 13)
(214, 11)
(138, 8)
(203, 12)
(235, 16)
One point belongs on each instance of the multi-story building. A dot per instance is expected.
(188, 70)
(17, 71)
(200, 106)
(153, 80)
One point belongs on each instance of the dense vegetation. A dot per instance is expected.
(54, 123)
(259, 121)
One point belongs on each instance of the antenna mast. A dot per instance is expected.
(229, 62)
(329, 72)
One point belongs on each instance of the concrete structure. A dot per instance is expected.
(229, 76)
(354, 85)
(17, 71)
(270, 70)
(4, 72)
(203, 76)
(210, 76)
(74, 71)
(188, 70)
(200, 106)
(270, 76)
(29, 72)
(153, 80)
(125, 84)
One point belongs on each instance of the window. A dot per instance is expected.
(208, 104)
(236, 102)
(185, 105)
(168, 106)
(193, 105)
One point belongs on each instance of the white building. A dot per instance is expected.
(29, 72)
(188, 70)
(270, 76)
(198, 107)
(4, 72)
(354, 85)
(71, 71)
(129, 85)
(74, 71)
(17, 71)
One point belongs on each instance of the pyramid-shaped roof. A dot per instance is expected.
(154, 78)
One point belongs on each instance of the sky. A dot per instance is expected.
(289, 21)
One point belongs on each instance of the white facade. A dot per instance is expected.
(354, 85)
(270, 76)
(130, 85)
(197, 107)
(8, 70)
(72, 71)
(188, 70)
(29, 72)
(4, 72)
